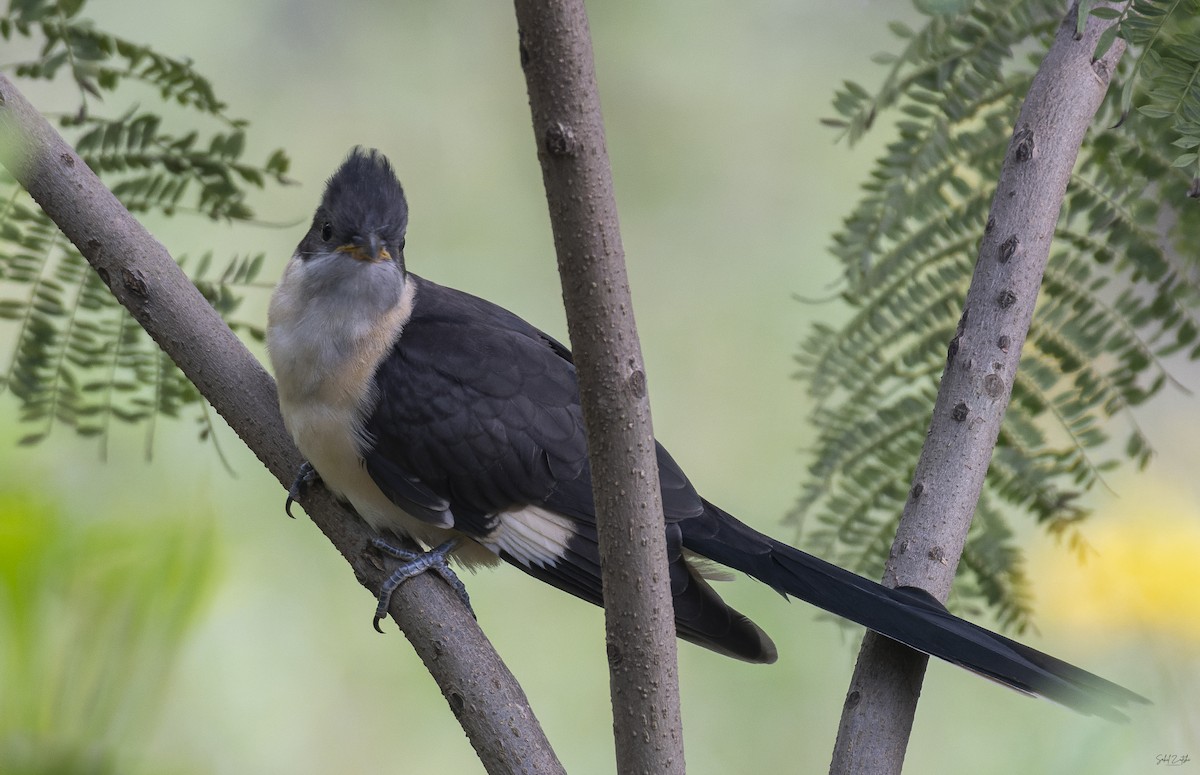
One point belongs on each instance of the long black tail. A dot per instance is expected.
(906, 614)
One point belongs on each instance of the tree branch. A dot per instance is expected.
(481, 691)
(981, 365)
(556, 54)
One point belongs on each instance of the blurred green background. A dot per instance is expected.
(257, 653)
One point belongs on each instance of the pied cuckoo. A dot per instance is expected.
(445, 418)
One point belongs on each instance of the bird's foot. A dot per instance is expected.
(415, 563)
(304, 478)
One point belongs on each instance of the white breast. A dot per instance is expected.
(325, 348)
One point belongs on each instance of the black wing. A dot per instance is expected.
(478, 414)
(476, 407)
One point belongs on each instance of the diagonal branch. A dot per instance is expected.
(556, 54)
(981, 367)
(481, 691)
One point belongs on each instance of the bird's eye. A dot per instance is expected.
(326, 231)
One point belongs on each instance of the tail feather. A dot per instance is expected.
(905, 614)
(703, 618)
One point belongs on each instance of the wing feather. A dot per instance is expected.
(478, 418)
(480, 410)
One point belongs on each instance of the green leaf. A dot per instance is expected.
(1105, 42)
(1100, 12)
(1151, 111)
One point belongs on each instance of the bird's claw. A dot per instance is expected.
(304, 477)
(415, 563)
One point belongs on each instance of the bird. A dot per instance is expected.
(448, 419)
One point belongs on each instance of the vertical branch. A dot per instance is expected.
(981, 365)
(556, 54)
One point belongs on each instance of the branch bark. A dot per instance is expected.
(482, 693)
(556, 54)
(976, 385)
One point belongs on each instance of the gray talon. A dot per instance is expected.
(415, 563)
(304, 477)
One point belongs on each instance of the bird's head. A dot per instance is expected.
(345, 286)
(362, 216)
(353, 254)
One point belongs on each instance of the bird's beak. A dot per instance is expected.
(371, 249)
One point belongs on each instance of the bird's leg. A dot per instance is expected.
(415, 563)
(304, 477)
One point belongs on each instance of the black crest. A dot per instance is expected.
(365, 196)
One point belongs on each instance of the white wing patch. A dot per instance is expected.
(707, 568)
(531, 535)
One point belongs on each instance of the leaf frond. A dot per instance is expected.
(78, 359)
(1120, 295)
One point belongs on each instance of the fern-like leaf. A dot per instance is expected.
(1120, 293)
(79, 360)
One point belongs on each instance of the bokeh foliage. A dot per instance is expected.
(92, 618)
(1119, 298)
